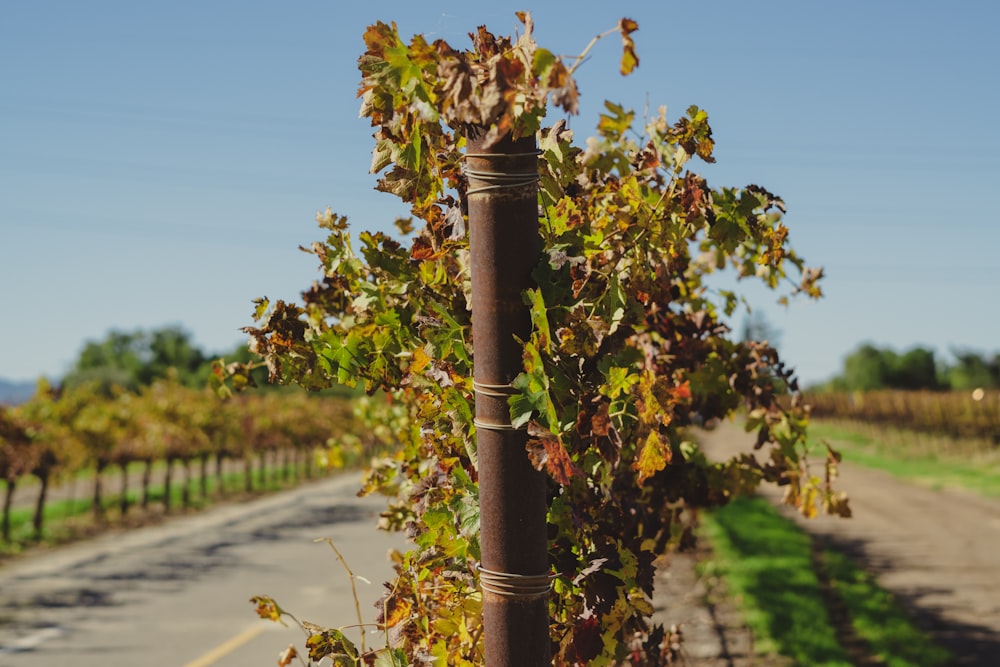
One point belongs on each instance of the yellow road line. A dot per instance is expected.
(226, 647)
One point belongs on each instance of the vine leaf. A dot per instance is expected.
(267, 608)
(629, 59)
(654, 457)
(286, 657)
(334, 644)
(385, 658)
(546, 451)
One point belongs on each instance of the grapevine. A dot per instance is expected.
(629, 348)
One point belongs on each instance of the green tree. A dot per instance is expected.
(870, 368)
(914, 369)
(115, 361)
(135, 359)
(866, 369)
(171, 350)
(973, 370)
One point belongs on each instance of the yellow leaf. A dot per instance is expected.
(420, 360)
(640, 603)
(629, 60)
(267, 608)
(654, 457)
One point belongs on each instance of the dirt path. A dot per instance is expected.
(937, 551)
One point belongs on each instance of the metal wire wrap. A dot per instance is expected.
(534, 153)
(495, 391)
(487, 426)
(498, 180)
(515, 585)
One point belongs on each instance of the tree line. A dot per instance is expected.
(871, 368)
(134, 359)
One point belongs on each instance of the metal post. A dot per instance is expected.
(505, 246)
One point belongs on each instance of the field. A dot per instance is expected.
(965, 419)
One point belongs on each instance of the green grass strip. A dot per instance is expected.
(65, 520)
(769, 567)
(959, 470)
(766, 562)
(878, 619)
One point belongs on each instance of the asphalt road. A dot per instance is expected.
(176, 594)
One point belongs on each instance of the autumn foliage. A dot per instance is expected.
(629, 347)
(190, 434)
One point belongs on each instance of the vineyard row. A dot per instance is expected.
(56, 435)
(964, 414)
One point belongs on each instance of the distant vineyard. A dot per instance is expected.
(966, 414)
(57, 435)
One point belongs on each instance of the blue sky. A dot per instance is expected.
(161, 162)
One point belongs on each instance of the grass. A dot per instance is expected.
(71, 519)
(928, 460)
(877, 618)
(786, 590)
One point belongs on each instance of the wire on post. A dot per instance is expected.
(525, 587)
(498, 180)
(501, 391)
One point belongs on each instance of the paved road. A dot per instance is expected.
(176, 595)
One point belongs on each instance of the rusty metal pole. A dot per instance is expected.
(505, 246)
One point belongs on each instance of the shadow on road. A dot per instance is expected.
(77, 597)
(316, 519)
(972, 645)
(105, 579)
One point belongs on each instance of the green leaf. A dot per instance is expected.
(619, 381)
(522, 407)
(614, 303)
(387, 657)
(616, 122)
(539, 319)
(542, 62)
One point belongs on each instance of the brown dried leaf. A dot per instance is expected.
(285, 657)
(600, 424)
(629, 59)
(546, 451)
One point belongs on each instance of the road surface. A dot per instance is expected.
(938, 551)
(176, 594)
